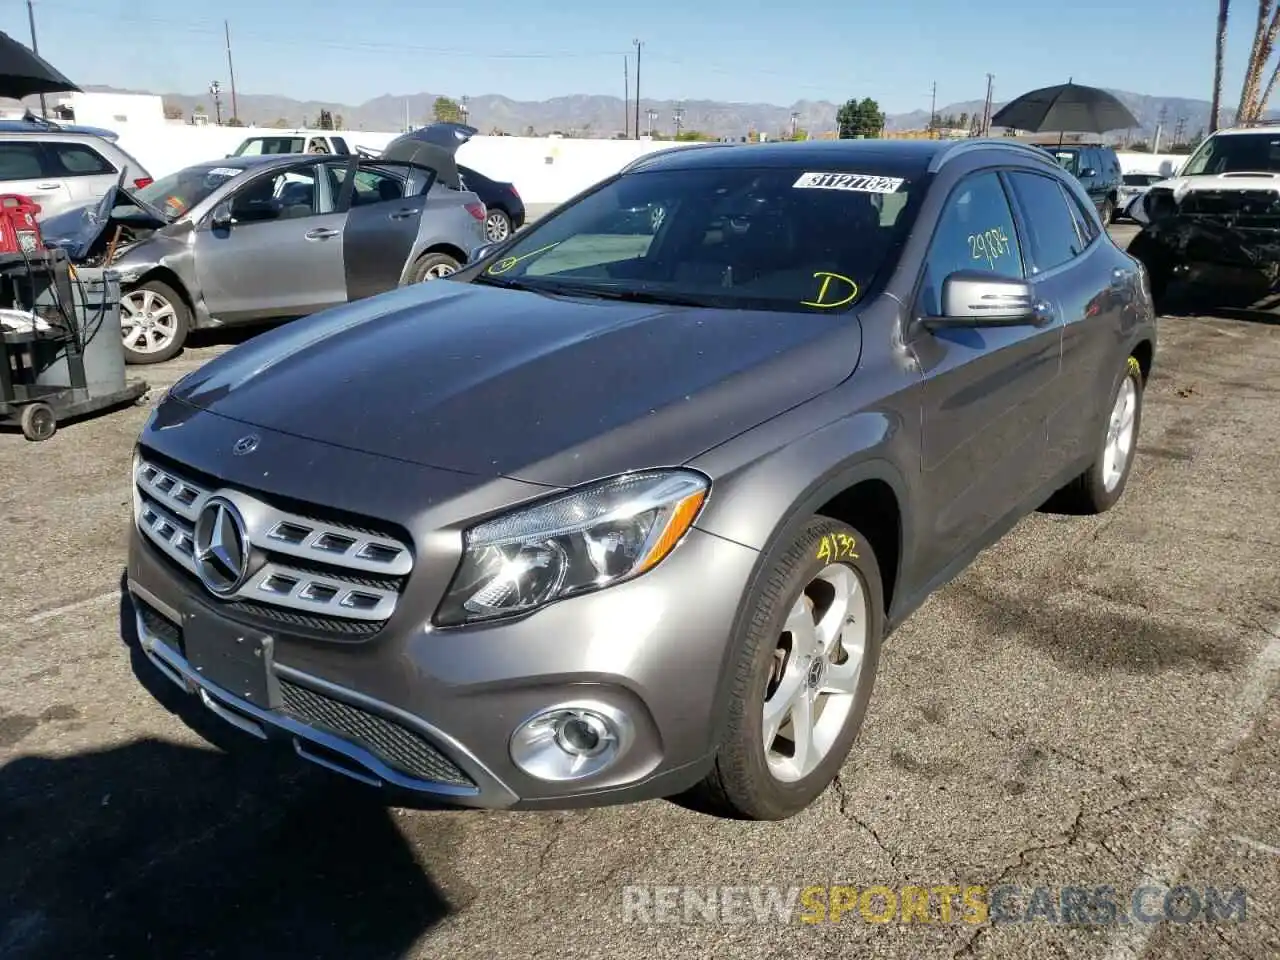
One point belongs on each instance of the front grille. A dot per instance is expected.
(395, 745)
(318, 575)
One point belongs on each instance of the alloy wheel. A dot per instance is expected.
(496, 227)
(815, 673)
(148, 321)
(1119, 443)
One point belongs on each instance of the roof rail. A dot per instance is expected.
(961, 147)
(672, 149)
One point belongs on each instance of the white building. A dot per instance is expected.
(115, 111)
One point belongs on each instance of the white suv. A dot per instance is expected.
(60, 170)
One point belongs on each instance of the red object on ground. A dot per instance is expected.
(19, 232)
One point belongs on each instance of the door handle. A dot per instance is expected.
(403, 214)
(48, 186)
(321, 233)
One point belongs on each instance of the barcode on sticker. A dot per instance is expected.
(857, 182)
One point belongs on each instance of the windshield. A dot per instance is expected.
(752, 238)
(177, 193)
(1140, 179)
(1068, 160)
(1236, 153)
(256, 146)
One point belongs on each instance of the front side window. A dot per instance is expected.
(1050, 224)
(787, 239)
(286, 195)
(974, 232)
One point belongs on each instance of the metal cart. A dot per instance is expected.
(70, 363)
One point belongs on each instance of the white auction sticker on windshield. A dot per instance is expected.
(857, 182)
(225, 172)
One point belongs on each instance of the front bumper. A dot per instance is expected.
(428, 714)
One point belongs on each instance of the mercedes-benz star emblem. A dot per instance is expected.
(221, 547)
(246, 444)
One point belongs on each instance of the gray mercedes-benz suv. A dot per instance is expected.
(620, 512)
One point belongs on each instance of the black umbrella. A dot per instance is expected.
(23, 73)
(1067, 106)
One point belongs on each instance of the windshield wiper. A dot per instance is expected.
(500, 282)
(621, 293)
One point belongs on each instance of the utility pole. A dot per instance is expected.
(1178, 130)
(639, 44)
(464, 109)
(231, 71)
(215, 88)
(626, 97)
(933, 109)
(652, 114)
(795, 120)
(678, 117)
(985, 130)
(35, 48)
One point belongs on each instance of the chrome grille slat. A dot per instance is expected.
(336, 559)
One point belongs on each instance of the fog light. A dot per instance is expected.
(571, 741)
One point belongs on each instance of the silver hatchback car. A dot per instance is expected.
(60, 170)
(248, 239)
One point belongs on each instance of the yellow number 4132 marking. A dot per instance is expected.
(837, 546)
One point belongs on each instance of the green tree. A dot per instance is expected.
(281, 123)
(859, 118)
(235, 122)
(530, 132)
(172, 111)
(338, 122)
(326, 120)
(446, 111)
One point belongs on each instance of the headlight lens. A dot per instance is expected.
(577, 542)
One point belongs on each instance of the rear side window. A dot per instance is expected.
(78, 160)
(340, 146)
(1086, 226)
(1049, 220)
(21, 161)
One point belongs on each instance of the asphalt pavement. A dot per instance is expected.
(1094, 702)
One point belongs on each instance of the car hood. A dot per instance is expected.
(1244, 180)
(76, 230)
(545, 389)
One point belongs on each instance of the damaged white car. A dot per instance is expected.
(1215, 225)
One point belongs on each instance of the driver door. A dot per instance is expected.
(385, 210)
(281, 256)
(988, 391)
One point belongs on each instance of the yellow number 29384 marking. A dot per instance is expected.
(837, 546)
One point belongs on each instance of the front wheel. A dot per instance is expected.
(433, 266)
(154, 321)
(802, 675)
(1109, 214)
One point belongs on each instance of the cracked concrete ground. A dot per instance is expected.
(1093, 702)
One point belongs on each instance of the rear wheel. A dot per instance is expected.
(38, 421)
(433, 266)
(154, 321)
(1098, 488)
(497, 226)
(1109, 214)
(802, 676)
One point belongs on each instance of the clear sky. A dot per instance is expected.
(893, 50)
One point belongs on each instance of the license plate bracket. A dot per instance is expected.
(235, 658)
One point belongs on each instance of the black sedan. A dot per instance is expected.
(506, 209)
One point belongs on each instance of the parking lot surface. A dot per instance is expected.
(1094, 702)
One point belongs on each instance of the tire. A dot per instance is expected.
(433, 266)
(170, 323)
(497, 226)
(38, 422)
(1109, 214)
(1099, 488)
(1157, 264)
(754, 781)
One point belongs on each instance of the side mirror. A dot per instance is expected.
(221, 218)
(973, 298)
(480, 252)
(1088, 173)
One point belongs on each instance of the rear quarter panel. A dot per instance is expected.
(446, 223)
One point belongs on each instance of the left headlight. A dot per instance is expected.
(577, 542)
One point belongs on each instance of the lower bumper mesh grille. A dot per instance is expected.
(396, 746)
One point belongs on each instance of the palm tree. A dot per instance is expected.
(1224, 8)
(1264, 40)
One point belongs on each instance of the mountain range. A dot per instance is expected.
(604, 116)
